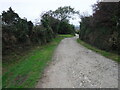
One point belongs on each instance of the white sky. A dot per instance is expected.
(32, 9)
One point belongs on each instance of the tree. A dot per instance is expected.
(22, 30)
(105, 13)
(58, 19)
(66, 28)
(30, 27)
(49, 21)
(102, 28)
(10, 17)
(15, 30)
(63, 13)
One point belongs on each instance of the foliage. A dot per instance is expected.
(19, 32)
(30, 27)
(63, 13)
(18, 36)
(102, 28)
(58, 20)
(28, 68)
(9, 17)
(66, 28)
(14, 28)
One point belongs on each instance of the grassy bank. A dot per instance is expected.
(28, 69)
(112, 56)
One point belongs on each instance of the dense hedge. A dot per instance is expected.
(102, 29)
(58, 26)
(42, 35)
(65, 28)
(20, 33)
(17, 32)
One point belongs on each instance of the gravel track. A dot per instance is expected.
(75, 66)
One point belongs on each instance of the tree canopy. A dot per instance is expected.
(63, 13)
(59, 19)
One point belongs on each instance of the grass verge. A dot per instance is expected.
(25, 72)
(110, 55)
(65, 35)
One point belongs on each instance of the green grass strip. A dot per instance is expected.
(109, 55)
(25, 72)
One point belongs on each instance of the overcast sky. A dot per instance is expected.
(32, 9)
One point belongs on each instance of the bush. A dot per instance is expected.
(66, 28)
(102, 28)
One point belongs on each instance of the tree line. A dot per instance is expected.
(102, 29)
(18, 32)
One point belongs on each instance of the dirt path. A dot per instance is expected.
(74, 66)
